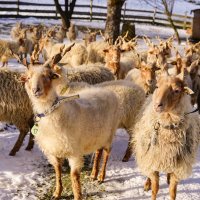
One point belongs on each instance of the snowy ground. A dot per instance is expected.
(27, 176)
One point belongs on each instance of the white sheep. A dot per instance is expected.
(72, 33)
(75, 128)
(95, 51)
(77, 56)
(131, 98)
(166, 134)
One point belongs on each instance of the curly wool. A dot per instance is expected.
(175, 149)
(15, 106)
(5, 53)
(90, 74)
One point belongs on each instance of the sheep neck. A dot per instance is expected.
(41, 105)
(114, 66)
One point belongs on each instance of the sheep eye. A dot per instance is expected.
(176, 91)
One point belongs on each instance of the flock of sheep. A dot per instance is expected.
(76, 99)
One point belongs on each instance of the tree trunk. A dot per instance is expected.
(112, 29)
(169, 16)
(174, 27)
(67, 14)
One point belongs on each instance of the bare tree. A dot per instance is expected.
(112, 29)
(167, 6)
(66, 14)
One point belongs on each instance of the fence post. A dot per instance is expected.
(185, 21)
(124, 14)
(154, 15)
(17, 7)
(91, 5)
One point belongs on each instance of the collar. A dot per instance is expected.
(55, 105)
(192, 111)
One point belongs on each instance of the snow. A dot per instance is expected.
(22, 176)
(26, 176)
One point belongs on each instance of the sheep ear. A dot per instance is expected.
(187, 90)
(23, 78)
(122, 50)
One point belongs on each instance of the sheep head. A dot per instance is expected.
(112, 58)
(169, 92)
(38, 79)
(90, 37)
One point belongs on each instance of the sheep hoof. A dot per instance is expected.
(28, 148)
(100, 180)
(125, 159)
(12, 153)
(55, 197)
(93, 178)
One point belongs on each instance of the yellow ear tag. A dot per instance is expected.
(34, 129)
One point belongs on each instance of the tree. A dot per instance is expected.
(167, 6)
(66, 14)
(112, 29)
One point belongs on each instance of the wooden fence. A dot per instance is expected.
(21, 9)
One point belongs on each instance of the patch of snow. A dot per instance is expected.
(21, 175)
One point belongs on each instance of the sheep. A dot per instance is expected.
(90, 37)
(21, 115)
(113, 61)
(15, 31)
(95, 51)
(131, 97)
(92, 118)
(15, 107)
(169, 138)
(77, 56)
(5, 47)
(72, 33)
(144, 76)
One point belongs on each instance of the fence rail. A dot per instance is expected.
(22, 9)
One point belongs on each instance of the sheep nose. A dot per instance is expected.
(36, 90)
(150, 81)
(159, 105)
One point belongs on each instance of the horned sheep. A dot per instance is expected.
(77, 56)
(169, 138)
(144, 76)
(95, 113)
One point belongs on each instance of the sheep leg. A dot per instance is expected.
(147, 185)
(168, 178)
(96, 164)
(58, 169)
(30, 142)
(18, 143)
(76, 164)
(173, 186)
(154, 184)
(104, 163)
(129, 150)
(3, 63)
